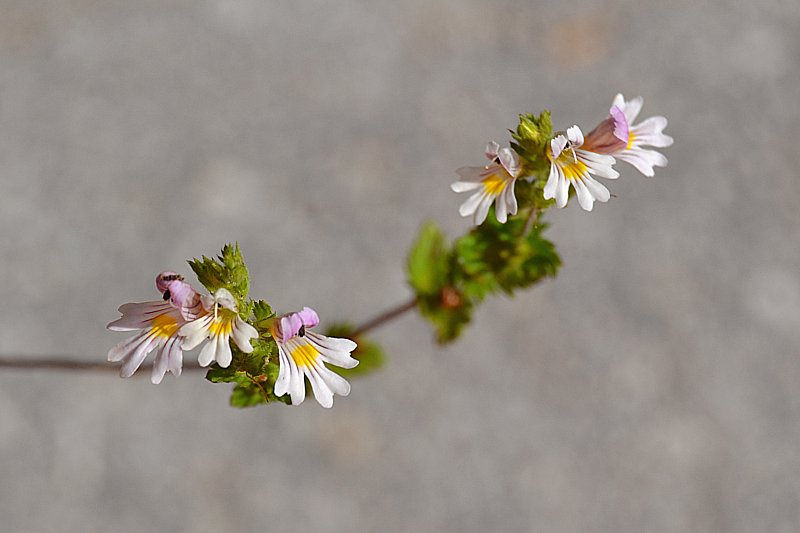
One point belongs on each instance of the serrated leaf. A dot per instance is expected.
(262, 310)
(503, 257)
(227, 271)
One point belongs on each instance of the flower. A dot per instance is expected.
(628, 139)
(158, 323)
(495, 182)
(569, 164)
(304, 353)
(219, 323)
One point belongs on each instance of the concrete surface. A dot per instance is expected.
(653, 387)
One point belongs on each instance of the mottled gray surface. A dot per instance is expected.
(654, 386)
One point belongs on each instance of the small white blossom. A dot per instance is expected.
(629, 139)
(220, 322)
(303, 354)
(570, 165)
(494, 183)
(158, 323)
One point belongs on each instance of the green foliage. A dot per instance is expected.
(263, 313)
(495, 256)
(430, 274)
(531, 139)
(226, 271)
(254, 375)
(428, 261)
(449, 313)
(370, 355)
(491, 258)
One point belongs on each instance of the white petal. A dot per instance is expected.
(510, 161)
(139, 315)
(575, 136)
(175, 356)
(619, 101)
(598, 164)
(225, 299)
(242, 333)
(297, 383)
(471, 204)
(631, 108)
(161, 362)
(134, 361)
(208, 353)
(562, 190)
(557, 145)
(322, 393)
(336, 353)
(471, 173)
(500, 209)
(332, 343)
(335, 382)
(127, 347)
(224, 355)
(650, 133)
(464, 186)
(597, 189)
(511, 198)
(644, 160)
(585, 198)
(482, 210)
(491, 149)
(282, 383)
(552, 182)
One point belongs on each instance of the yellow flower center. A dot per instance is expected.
(164, 325)
(305, 355)
(573, 169)
(631, 137)
(223, 324)
(494, 184)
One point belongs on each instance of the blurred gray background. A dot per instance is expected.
(654, 386)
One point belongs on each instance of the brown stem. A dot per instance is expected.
(50, 363)
(46, 363)
(383, 318)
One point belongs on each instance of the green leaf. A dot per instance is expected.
(262, 311)
(428, 261)
(497, 256)
(227, 271)
(247, 395)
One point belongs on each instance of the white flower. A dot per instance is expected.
(159, 324)
(634, 137)
(569, 164)
(303, 353)
(220, 322)
(495, 183)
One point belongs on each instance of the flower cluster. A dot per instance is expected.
(183, 320)
(574, 160)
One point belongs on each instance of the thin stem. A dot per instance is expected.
(51, 363)
(383, 318)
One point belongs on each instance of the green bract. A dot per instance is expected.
(227, 271)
